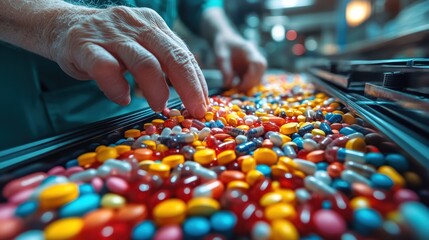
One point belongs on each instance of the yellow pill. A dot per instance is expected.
(289, 113)
(289, 128)
(285, 139)
(288, 196)
(132, 133)
(265, 156)
(394, 216)
(222, 119)
(359, 202)
(260, 114)
(287, 162)
(238, 184)
(111, 200)
(253, 176)
(265, 119)
(209, 116)
(270, 199)
(87, 158)
(235, 108)
(106, 154)
(57, 195)
(161, 148)
(243, 127)
(277, 170)
(180, 118)
(275, 185)
(301, 118)
(298, 173)
(122, 149)
(201, 147)
(204, 156)
(64, 229)
(315, 132)
(357, 144)
(99, 148)
(171, 211)
(160, 169)
(157, 121)
(202, 206)
(283, 229)
(173, 160)
(241, 114)
(233, 121)
(144, 165)
(248, 164)
(349, 119)
(150, 144)
(280, 211)
(197, 143)
(393, 174)
(226, 157)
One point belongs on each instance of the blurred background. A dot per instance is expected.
(295, 33)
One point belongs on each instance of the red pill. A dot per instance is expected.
(19, 184)
(247, 216)
(131, 214)
(269, 126)
(260, 188)
(328, 224)
(230, 175)
(290, 181)
(10, 228)
(187, 123)
(158, 197)
(334, 169)
(405, 195)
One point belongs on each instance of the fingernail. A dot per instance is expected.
(123, 101)
(200, 111)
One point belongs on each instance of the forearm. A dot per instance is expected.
(214, 22)
(31, 24)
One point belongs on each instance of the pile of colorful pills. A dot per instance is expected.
(282, 162)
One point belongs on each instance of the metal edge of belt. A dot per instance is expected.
(411, 143)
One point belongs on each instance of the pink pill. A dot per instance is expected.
(58, 170)
(117, 185)
(328, 224)
(405, 195)
(21, 196)
(7, 210)
(171, 232)
(10, 228)
(29, 181)
(97, 184)
(73, 170)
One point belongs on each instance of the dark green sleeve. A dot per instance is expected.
(190, 12)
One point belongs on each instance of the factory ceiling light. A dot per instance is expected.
(282, 4)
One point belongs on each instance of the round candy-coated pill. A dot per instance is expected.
(261, 231)
(359, 202)
(57, 195)
(131, 214)
(328, 224)
(405, 195)
(111, 200)
(270, 199)
(203, 206)
(117, 185)
(173, 160)
(375, 159)
(357, 144)
(171, 211)
(31, 235)
(10, 228)
(416, 217)
(170, 232)
(398, 162)
(196, 227)
(160, 169)
(66, 228)
(289, 128)
(366, 221)
(280, 211)
(265, 156)
(381, 181)
(204, 156)
(86, 188)
(107, 153)
(316, 156)
(87, 158)
(223, 221)
(80, 206)
(264, 169)
(283, 229)
(143, 231)
(26, 208)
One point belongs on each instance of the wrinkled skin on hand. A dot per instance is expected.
(236, 56)
(102, 44)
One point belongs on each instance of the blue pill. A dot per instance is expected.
(322, 165)
(295, 135)
(299, 142)
(375, 159)
(416, 217)
(264, 169)
(223, 221)
(196, 227)
(342, 186)
(325, 127)
(31, 235)
(72, 163)
(366, 221)
(398, 162)
(311, 237)
(144, 231)
(381, 181)
(347, 131)
(80, 206)
(326, 204)
(336, 118)
(120, 141)
(328, 116)
(26, 208)
(219, 124)
(261, 230)
(86, 189)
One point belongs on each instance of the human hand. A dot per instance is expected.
(236, 55)
(101, 44)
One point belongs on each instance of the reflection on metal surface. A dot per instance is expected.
(406, 100)
(336, 79)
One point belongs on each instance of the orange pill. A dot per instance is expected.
(334, 169)
(142, 154)
(267, 143)
(131, 214)
(277, 120)
(231, 175)
(316, 156)
(97, 218)
(336, 126)
(361, 189)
